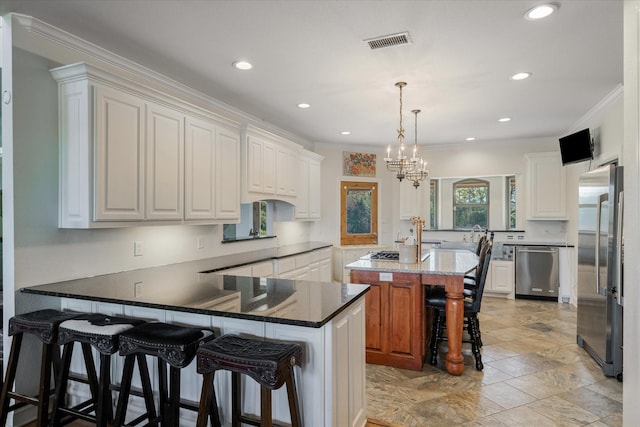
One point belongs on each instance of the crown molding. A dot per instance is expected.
(99, 54)
(598, 110)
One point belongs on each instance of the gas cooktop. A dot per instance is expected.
(388, 255)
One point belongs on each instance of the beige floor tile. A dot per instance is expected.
(535, 375)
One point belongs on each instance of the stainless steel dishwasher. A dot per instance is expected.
(537, 274)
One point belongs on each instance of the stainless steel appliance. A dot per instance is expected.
(600, 287)
(537, 272)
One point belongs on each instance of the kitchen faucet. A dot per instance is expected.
(419, 223)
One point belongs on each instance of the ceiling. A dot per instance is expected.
(457, 67)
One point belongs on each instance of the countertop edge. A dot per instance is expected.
(209, 312)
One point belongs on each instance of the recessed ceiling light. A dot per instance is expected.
(345, 132)
(521, 76)
(242, 65)
(304, 105)
(504, 119)
(541, 11)
(471, 138)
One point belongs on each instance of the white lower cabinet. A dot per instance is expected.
(500, 278)
(259, 269)
(331, 381)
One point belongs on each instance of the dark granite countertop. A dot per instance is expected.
(293, 302)
(194, 287)
(183, 287)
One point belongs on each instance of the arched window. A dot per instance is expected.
(471, 203)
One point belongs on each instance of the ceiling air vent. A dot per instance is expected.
(389, 40)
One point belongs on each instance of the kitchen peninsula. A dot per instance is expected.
(396, 330)
(326, 318)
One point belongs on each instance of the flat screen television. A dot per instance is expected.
(576, 147)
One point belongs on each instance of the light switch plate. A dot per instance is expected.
(137, 248)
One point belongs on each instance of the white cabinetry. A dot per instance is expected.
(500, 278)
(547, 189)
(325, 265)
(308, 203)
(343, 255)
(278, 169)
(409, 200)
(165, 163)
(258, 269)
(130, 154)
(331, 378)
(212, 175)
(119, 154)
(287, 172)
(314, 265)
(269, 164)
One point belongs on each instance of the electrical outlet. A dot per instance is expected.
(137, 248)
(200, 242)
(137, 289)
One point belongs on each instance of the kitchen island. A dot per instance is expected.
(396, 314)
(327, 319)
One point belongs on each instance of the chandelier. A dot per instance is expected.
(400, 165)
(420, 172)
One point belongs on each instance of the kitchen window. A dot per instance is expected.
(470, 203)
(511, 203)
(256, 221)
(358, 213)
(433, 204)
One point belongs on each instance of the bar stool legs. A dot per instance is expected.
(268, 363)
(102, 333)
(44, 325)
(174, 347)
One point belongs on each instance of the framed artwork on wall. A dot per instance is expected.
(358, 164)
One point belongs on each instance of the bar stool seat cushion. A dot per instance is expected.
(42, 323)
(99, 330)
(267, 362)
(174, 344)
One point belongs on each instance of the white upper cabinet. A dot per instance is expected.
(308, 203)
(212, 175)
(287, 173)
(547, 188)
(165, 163)
(278, 169)
(227, 175)
(119, 156)
(131, 155)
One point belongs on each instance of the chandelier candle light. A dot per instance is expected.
(420, 172)
(401, 165)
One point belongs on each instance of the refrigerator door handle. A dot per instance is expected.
(619, 283)
(601, 199)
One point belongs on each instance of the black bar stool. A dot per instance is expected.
(101, 332)
(43, 324)
(269, 363)
(172, 345)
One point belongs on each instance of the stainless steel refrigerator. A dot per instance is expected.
(600, 246)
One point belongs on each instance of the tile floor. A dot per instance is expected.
(534, 374)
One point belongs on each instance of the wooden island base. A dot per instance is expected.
(396, 327)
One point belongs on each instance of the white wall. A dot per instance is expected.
(472, 159)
